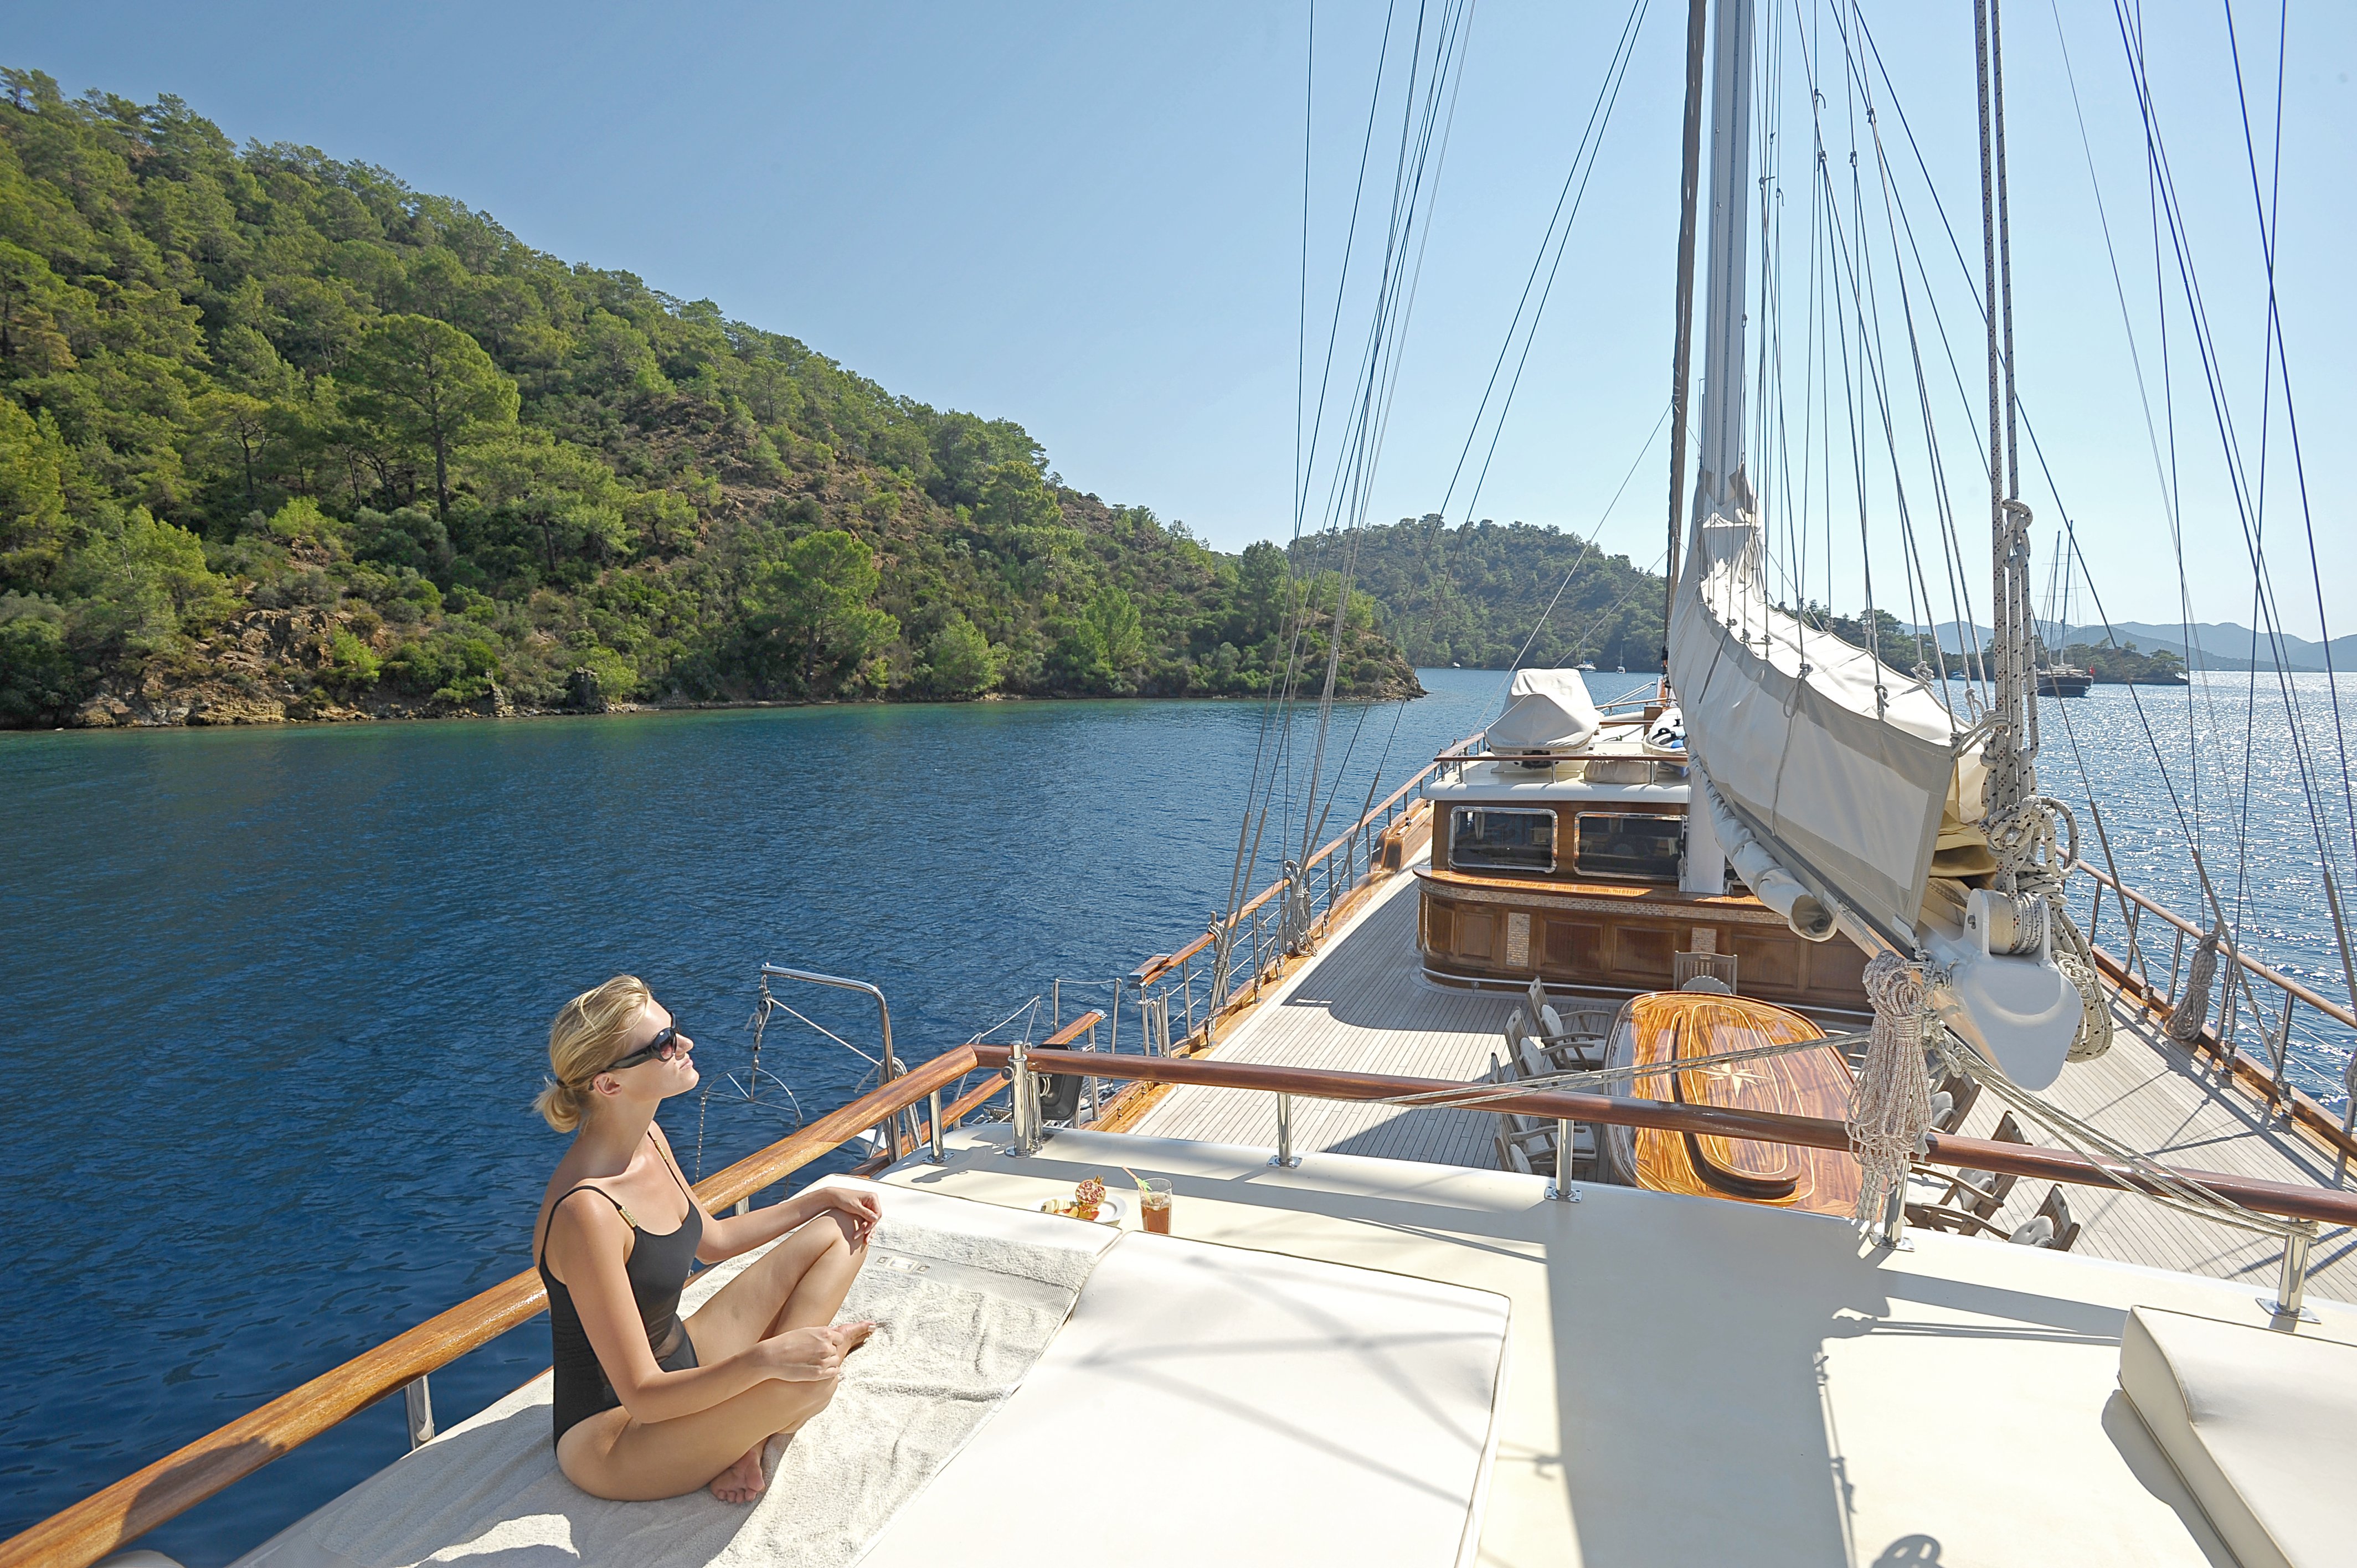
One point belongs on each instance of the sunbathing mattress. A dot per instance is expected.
(1044, 1391)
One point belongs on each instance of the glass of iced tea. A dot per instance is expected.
(1153, 1204)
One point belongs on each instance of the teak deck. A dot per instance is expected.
(1363, 1004)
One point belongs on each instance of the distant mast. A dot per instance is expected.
(1718, 473)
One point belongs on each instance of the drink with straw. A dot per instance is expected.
(1153, 1201)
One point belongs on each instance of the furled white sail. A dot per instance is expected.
(1851, 777)
(1839, 764)
(1546, 710)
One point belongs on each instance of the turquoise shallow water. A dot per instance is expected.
(277, 1001)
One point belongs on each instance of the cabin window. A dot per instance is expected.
(1490, 838)
(1628, 844)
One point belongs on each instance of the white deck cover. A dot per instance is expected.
(1209, 1405)
(1840, 764)
(1186, 1370)
(1546, 710)
(967, 1297)
(1694, 1383)
(2261, 1426)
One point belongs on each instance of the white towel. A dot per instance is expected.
(963, 1313)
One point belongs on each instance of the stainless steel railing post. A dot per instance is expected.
(1285, 1157)
(888, 1132)
(419, 1400)
(1561, 1188)
(938, 1158)
(2291, 1283)
(1026, 1086)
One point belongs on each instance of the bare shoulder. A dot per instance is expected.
(585, 1215)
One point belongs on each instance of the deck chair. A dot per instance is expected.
(1526, 1144)
(1574, 1040)
(1518, 1026)
(1960, 1091)
(1532, 1062)
(1983, 1193)
(1538, 998)
(2051, 1227)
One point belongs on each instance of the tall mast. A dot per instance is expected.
(1730, 224)
(1722, 353)
(1682, 352)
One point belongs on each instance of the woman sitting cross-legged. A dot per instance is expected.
(648, 1405)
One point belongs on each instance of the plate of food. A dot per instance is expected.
(1089, 1202)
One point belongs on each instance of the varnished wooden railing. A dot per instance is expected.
(1073, 1030)
(2318, 1203)
(111, 1517)
(1154, 969)
(2131, 973)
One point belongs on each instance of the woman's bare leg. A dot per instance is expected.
(610, 1455)
(798, 1283)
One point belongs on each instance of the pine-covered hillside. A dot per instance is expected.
(1475, 594)
(282, 437)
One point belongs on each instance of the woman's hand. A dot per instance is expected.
(812, 1355)
(858, 1204)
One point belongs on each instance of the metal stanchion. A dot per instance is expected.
(419, 1399)
(1561, 1188)
(2291, 1284)
(1026, 1087)
(1285, 1157)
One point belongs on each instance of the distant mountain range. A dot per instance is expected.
(2216, 645)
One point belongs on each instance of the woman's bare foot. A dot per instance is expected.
(743, 1481)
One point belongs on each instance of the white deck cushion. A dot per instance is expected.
(1322, 1413)
(2261, 1424)
(1209, 1407)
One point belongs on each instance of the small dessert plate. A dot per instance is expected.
(1109, 1212)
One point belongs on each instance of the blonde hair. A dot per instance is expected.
(586, 1035)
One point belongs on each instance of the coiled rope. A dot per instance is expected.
(1890, 1098)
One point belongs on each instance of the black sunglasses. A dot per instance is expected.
(666, 1045)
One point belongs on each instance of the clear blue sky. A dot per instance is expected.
(1086, 218)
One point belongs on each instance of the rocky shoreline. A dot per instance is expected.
(277, 667)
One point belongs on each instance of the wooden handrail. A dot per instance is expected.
(113, 1516)
(2330, 1009)
(1073, 1030)
(958, 1109)
(2289, 1198)
(1155, 969)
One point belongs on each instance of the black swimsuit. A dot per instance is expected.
(657, 1269)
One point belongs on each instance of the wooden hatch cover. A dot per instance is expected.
(1685, 1026)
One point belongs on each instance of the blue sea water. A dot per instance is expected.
(276, 1002)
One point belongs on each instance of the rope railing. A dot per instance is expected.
(117, 1515)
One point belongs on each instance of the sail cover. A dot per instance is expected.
(1840, 764)
(1546, 710)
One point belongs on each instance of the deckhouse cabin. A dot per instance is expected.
(1556, 850)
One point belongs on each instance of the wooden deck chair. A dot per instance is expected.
(1534, 1060)
(1538, 998)
(1576, 1039)
(1526, 1144)
(1961, 1091)
(1983, 1193)
(1518, 1026)
(2051, 1227)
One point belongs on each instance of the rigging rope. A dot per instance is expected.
(1891, 1099)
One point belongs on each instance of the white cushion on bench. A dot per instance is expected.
(2261, 1426)
(1209, 1407)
